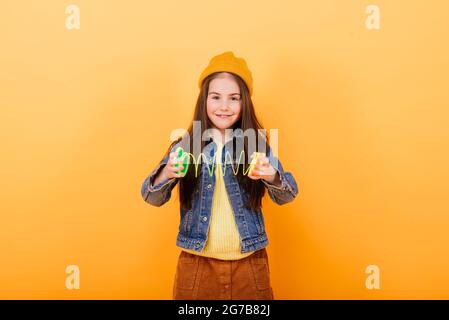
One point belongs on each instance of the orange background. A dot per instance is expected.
(363, 126)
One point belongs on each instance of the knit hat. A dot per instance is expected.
(227, 62)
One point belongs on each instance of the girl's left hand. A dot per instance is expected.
(264, 170)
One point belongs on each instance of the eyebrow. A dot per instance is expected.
(231, 94)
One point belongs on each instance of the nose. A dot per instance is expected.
(224, 105)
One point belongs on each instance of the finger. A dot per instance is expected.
(264, 161)
(171, 163)
(264, 165)
(260, 167)
(254, 177)
(177, 175)
(176, 161)
(257, 170)
(172, 160)
(175, 169)
(257, 174)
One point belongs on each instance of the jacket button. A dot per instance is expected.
(209, 186)
(204, 219)
(197, 245)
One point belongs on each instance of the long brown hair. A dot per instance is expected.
(247, 120)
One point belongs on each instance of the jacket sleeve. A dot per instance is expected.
(159, 194)
(288, 189)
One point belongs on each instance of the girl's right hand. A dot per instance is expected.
(170, 170)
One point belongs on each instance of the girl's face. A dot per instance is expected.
(224, 101)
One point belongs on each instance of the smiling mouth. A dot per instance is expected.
(223, 116)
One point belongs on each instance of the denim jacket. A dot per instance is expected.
(194, 223)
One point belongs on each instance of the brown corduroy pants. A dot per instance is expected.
(205, 278)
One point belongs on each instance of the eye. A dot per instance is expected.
(235, 99)
(215, 97)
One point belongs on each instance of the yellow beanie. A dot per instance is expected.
(227, 62)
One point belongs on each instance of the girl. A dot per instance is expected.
(221, 232)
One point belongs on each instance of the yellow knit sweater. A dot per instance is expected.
(223, 240)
